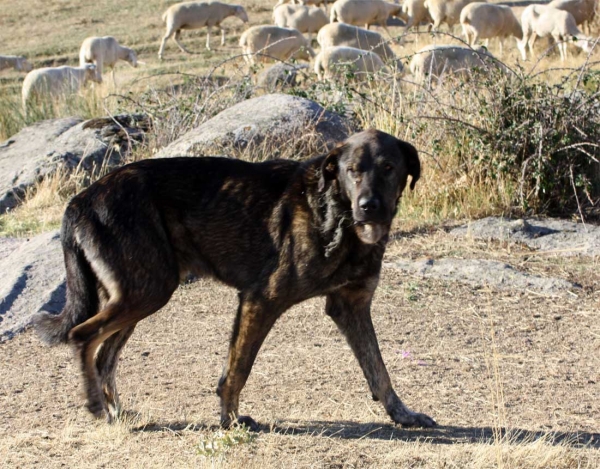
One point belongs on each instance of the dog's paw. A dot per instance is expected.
(96, 409)
(244, 420)
(419, 420)
(248, 422)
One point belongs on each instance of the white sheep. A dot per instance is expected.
(583, 11)
(273, 42)
(303, 2)
(542, 21)
(195, 15)
(303, 18)
(445, 11)
(415, 13)
(19, 63)
(438, 60)
(54, 82)
(105, 52)
(333, 61)
(341, 34)
(364, 12)
(487, 20)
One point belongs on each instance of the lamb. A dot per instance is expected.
(364, 12)
(105, 51)
(303, 18)
(195, 15)
(487, 20)
(341, 34)
(332, 61)
(544, 20)
(54, 82)
(19, 63)
(445, 11)
(274, 42)
(437, 60)
(415, 13)
(583, 11)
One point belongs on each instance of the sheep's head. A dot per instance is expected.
(23, 65)
(91, 73)
(240, 12)
(396, 67)
(132, 58)
(305, 53)
(585, 44)
(397, 11)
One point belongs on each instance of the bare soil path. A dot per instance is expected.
(512, 377)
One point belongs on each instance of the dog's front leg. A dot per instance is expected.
(350, 308)
(254, 320)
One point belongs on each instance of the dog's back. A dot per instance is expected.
(163, 219)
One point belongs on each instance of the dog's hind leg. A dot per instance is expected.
(117, 316)
(350, 309)
(106, 364)
(254, 320)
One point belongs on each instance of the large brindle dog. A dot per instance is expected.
(279, 232)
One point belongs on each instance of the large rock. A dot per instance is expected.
(43, 148)
(281, 75)
(33, 279)
(552, 236)
(274, 125)
(483, 273)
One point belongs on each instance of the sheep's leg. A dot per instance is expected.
(562, 48)
(384, 26)
(467, 35)
(501, 45)
(521, 45)
(409, 23)
(531, 42)
(222, 36)
(112, 73)
(163, 43)
(177, 37)
(208, 37)
(99, 69)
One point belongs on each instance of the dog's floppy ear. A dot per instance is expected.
(329, 167)
(412, 161)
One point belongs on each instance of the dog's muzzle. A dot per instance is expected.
(369, 220)
(371, 233)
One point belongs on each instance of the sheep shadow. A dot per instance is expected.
(440, 435)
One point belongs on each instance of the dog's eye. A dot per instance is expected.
(352, 170)
(388, 168)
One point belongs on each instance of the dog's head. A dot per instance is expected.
(371, 170)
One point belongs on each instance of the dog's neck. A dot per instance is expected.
(336, 218)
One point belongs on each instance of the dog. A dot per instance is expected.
(279, 232)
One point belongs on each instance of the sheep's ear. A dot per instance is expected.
(329, 168)
(412, 161)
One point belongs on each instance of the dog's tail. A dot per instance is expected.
(82, 291)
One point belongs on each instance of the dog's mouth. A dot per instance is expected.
(370, 232)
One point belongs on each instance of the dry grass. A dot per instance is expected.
(511, 377)
(177, 94)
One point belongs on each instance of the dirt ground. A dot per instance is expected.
(511, 377)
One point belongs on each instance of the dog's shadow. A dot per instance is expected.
(440, 435)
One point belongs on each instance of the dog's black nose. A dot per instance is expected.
(368, 204)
